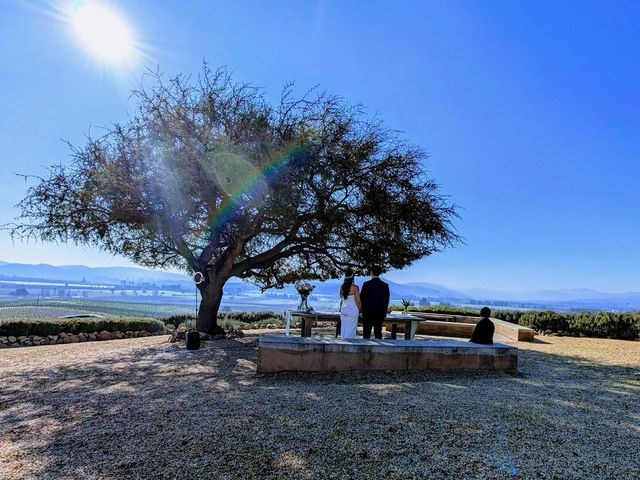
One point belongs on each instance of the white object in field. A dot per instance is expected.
(287, 317)
(198, 278)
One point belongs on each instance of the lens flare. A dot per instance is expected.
(252, 183)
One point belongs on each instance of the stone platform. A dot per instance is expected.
(325, 354)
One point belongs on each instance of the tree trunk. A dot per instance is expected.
(207, 321)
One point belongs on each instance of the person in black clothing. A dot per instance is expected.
(483, 333)
(375, 302)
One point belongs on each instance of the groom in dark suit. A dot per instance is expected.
(375, 302)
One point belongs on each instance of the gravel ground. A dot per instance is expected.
(137, 408)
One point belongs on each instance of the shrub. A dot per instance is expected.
(623, 326)
(177, 320)
(53, 326)
(547, 320)
(229, 320)
(512, 316)
(188, 323)
(251, 317)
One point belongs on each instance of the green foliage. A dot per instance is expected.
(511, 316)
(187, 324)
(546, 320)
(251, 317)
(230, 319)
(623, 326)
(53, 326)
(20, 318)
(178, 320)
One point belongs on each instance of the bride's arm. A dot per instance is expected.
(357, 295)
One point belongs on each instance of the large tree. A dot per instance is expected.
(208, 176)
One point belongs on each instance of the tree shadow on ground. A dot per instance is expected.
(151, 413)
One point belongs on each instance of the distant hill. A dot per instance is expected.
(563, 298)
(435, 290)
(398, 290)
(82, 273)
(115, 275)
(560, 295)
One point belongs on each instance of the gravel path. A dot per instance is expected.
(139, 409)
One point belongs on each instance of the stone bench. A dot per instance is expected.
(454, 326)
(442, 329)
(325, 354)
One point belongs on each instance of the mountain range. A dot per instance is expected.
(566, 298)
(82, 273)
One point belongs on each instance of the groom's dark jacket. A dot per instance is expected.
(375, 298)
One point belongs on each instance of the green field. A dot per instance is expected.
(57, 308)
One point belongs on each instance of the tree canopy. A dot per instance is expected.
(209, 176)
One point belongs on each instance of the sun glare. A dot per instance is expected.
(103, 32)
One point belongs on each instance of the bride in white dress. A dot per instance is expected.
(350, 307)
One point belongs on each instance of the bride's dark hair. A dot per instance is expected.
(346, 285)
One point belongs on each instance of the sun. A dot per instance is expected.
(103, 32)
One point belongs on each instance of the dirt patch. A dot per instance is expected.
(138, 409)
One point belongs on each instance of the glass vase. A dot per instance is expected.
(304, 306)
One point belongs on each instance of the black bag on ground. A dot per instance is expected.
(192, 340)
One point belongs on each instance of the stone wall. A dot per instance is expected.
(36, 340)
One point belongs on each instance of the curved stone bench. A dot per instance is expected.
(443, 329)
(462, 326)
(325, 354)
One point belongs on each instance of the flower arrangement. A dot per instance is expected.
(304, 289)
(406, 304)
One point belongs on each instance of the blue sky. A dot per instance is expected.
(529, 111)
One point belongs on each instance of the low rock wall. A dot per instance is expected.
(36, 340)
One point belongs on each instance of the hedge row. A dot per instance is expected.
(250, 317)
(54, 326)
(237, 319)
(623, 326)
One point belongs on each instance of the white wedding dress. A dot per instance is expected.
(349, 317)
